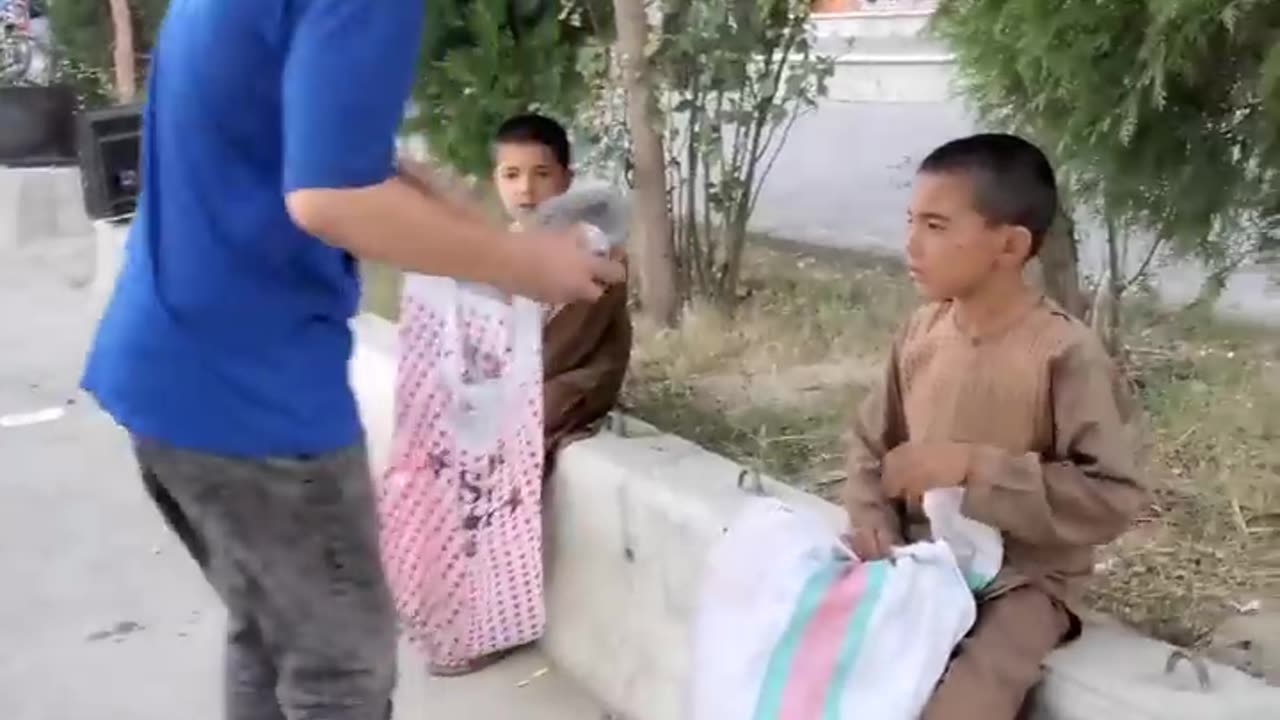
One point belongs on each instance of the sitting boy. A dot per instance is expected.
(993, 388)
(585, 346)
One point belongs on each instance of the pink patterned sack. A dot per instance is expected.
(460, 502)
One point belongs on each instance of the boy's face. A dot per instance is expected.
(952, 250)
(527, 175)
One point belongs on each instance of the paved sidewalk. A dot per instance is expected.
(102, 616)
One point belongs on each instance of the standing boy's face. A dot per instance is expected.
(527, 175)
(951, 248)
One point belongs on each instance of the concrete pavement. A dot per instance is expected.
(102, 615)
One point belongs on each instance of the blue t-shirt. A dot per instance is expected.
(228, 329)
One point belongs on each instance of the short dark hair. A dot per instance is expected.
(1013, 182)
(535, 129)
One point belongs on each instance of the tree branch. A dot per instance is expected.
(1142, 268)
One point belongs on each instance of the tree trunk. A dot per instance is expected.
(123, 52)
(651, 220)
(1105, 316)
(1059, 263)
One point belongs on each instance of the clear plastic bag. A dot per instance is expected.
(600, 209)
(979, 548)
(484, 396)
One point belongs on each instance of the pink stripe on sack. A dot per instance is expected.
(814, 664)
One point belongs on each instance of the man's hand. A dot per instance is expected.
(872, 543)
(913, 468)
(556, 267)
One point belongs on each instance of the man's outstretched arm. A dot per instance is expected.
(346, 82)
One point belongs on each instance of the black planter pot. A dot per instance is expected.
(109, 144)
(37, 125)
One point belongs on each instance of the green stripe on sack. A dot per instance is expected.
(775, 677)
(854, 638)
(975, 581)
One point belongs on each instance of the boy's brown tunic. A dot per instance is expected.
(1052, 469)
(585, 350)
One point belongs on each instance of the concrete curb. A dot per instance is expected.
(632, 515)
(108, 254)
(40, 203)
(633, 518)
(1115, 673)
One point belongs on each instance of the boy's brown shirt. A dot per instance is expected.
(1052, 462)
(586, 347)
(585, 350)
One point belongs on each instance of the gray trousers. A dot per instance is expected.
(291, 546)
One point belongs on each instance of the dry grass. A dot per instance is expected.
(774, 387)
(381, 290)
(1211, 391)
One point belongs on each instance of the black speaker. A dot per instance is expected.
(37, 125)
(109, 144)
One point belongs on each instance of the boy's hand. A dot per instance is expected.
(872, 543)
(556, 267)
(913, 468)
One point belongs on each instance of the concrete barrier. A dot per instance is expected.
(632, 515)
(108, 255)
(41, 203)
(634, 518)
(1117, 674)
(42, 213)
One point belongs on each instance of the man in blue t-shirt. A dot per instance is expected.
(268, 161)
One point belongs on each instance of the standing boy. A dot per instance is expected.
(993, 388)
(586, 345)
(268, 163)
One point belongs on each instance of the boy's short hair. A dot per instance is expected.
(535, 129)
(1013, 182)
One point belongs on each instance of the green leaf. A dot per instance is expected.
(1166, 110)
